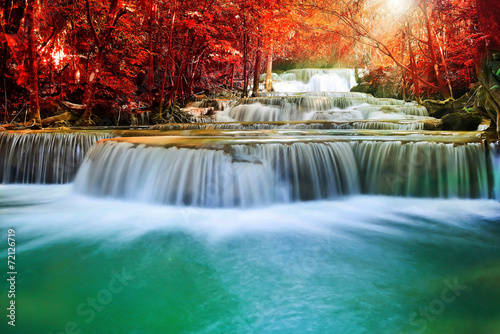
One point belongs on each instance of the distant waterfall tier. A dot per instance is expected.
(417, 124)
(325, 107)
(245, 172)
(316, 80)
(43, 157)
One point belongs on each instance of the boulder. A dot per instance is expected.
(461, 121)
(438, 109)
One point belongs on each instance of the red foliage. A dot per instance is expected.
(489, 14)
(150, 51)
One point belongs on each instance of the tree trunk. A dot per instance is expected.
(232, 77)
(3, 78)
(29, 22)
(114, 13)
(416, 83)
(151, 65)
(491, 86)
(168, 59)
(488, 12)
(256, 72)
(441, 84)
(13, 13)
(67, 116)
(88, 97)
(403, 72)
(445, 64)
(245, 74)
(269, 72)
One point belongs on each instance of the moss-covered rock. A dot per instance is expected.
(438, 109)
(363, 87)
(461, 121)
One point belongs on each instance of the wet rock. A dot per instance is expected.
(385, 90)
(363, 87)
(461, 121)
(438, 109)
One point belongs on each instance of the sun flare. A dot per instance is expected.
(398, 5)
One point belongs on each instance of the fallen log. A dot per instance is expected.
(67, 116)
(73, 106)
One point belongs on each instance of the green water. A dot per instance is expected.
(364, 264)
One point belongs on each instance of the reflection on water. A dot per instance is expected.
(362, 264)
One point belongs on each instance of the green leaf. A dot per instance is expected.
(498, 72)
(496, 86)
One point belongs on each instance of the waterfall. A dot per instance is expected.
(282, 125)
(246, 176)
(260, 113)
(318, 94)
(495, 161)
(326, 107)
(227, 173)
(43, 157)
(315, 80)
(423, 169)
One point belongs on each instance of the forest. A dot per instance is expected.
(82, 60)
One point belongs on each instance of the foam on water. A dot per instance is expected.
(43, 214)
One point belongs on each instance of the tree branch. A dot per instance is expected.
(91, 23)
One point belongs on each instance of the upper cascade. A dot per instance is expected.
(315, 80)
(334, 107)
(324, 95)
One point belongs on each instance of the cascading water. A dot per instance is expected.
(495, 162)
(315, 80)
(46, 157)
(321, 95)
(347, 125)
(294, 108)
(224, 173)
(423, 169)
(246, 176)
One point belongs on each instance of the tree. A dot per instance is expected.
(101, 41)
(488, 73)
(10, 18)
(29, 22)
(431, 63)
(94, 54)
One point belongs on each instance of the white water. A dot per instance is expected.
(266, 109)
(315, 80)
(249, 176)
(264, 174)
(320, 95)
(495, 161)
(60, 214)
(345, 125)
(43, 157)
